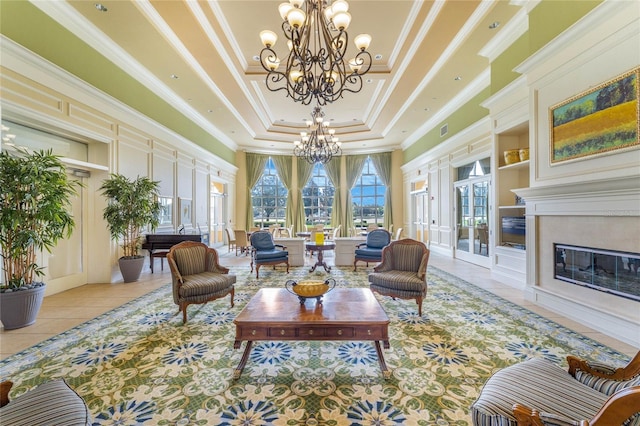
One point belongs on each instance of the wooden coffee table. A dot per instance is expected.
(346, 314)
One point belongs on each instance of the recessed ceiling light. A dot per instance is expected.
(457, 78)
(209, 110)
(369, 81)
(378, 57)
(175, 77)
(494, 25)
(427, 109)
(100, 7)
(256, 57)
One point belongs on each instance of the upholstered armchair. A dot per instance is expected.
(50, 403)
(403, 271)
(197, 276)
(537, 392)
(371, 250)
(265, 252)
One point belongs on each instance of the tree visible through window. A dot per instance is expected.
(368, 197)
(269, 197)
(317, 196)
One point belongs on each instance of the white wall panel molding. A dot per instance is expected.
(23, 62)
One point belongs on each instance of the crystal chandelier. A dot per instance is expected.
(316, 67)
(318, 144)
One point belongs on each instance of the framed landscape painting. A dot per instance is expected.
(598, 121)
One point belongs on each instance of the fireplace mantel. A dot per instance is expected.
(610, 197)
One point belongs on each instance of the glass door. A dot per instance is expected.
(472, 219)
(217, 219)
(420, 212)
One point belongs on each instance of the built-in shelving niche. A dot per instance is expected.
(610, 271)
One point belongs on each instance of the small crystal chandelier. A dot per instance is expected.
(318, 144)
(316, 67)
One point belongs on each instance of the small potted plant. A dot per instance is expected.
(132, 208)
(35, 213)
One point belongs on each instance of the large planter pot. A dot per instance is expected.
(130, 268)
(20, 308)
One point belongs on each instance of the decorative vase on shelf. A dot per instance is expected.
(524, 154)
(511, 156)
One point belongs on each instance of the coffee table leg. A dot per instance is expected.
(243, 360)
(383, 366)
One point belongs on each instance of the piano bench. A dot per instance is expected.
(161, 254)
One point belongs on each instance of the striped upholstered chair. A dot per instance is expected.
(50, 403)
(197, 276)
(537, 392)
(402, 272)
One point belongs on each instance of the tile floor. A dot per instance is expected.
(65, 310)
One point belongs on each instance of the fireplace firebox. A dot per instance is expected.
(610, 271)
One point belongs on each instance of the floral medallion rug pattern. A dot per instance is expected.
(139, 365)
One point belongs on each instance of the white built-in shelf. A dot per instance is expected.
(518, 165)
(511, 207)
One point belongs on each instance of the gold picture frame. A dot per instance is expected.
(598, 121)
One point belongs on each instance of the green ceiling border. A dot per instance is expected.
(28, 26)
(550, 18)
(464, 116)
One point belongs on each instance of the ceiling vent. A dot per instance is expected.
(444, 130)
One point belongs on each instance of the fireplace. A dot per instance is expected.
(610, 271)
(594, 228)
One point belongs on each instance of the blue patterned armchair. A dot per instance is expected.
(537, 392)
(265, 252)
(371, 250)
(403, 271)
(197, 276)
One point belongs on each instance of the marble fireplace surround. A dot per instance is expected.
(603, 214)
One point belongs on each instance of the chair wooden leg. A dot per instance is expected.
(257, 271)
(183, 308)
(232, 295)
(419, 302)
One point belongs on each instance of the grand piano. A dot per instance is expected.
(159, 245)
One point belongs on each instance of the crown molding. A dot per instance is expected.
(21, 60)
(476, 86)
(69, 18)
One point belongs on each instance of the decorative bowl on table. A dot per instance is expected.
(310, 289)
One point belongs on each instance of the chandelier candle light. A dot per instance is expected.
(319, 144)
(316, 66)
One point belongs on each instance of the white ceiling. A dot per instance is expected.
(211, 45)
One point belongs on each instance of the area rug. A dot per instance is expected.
(139, 365)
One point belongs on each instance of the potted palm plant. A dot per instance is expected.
(35, 213)
(132, 208)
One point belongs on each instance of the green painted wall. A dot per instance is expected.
(552, 17)
(546, 21)
(466, 115)
(502, 72)
(28, 26)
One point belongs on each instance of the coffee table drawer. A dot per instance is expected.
(371, 333)
(340, 332)
(252, 333)
(282, 332)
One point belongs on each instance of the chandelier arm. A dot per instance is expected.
(316, 65)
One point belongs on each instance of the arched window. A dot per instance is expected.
(269, 197)
(317, 196)
(368, 197)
